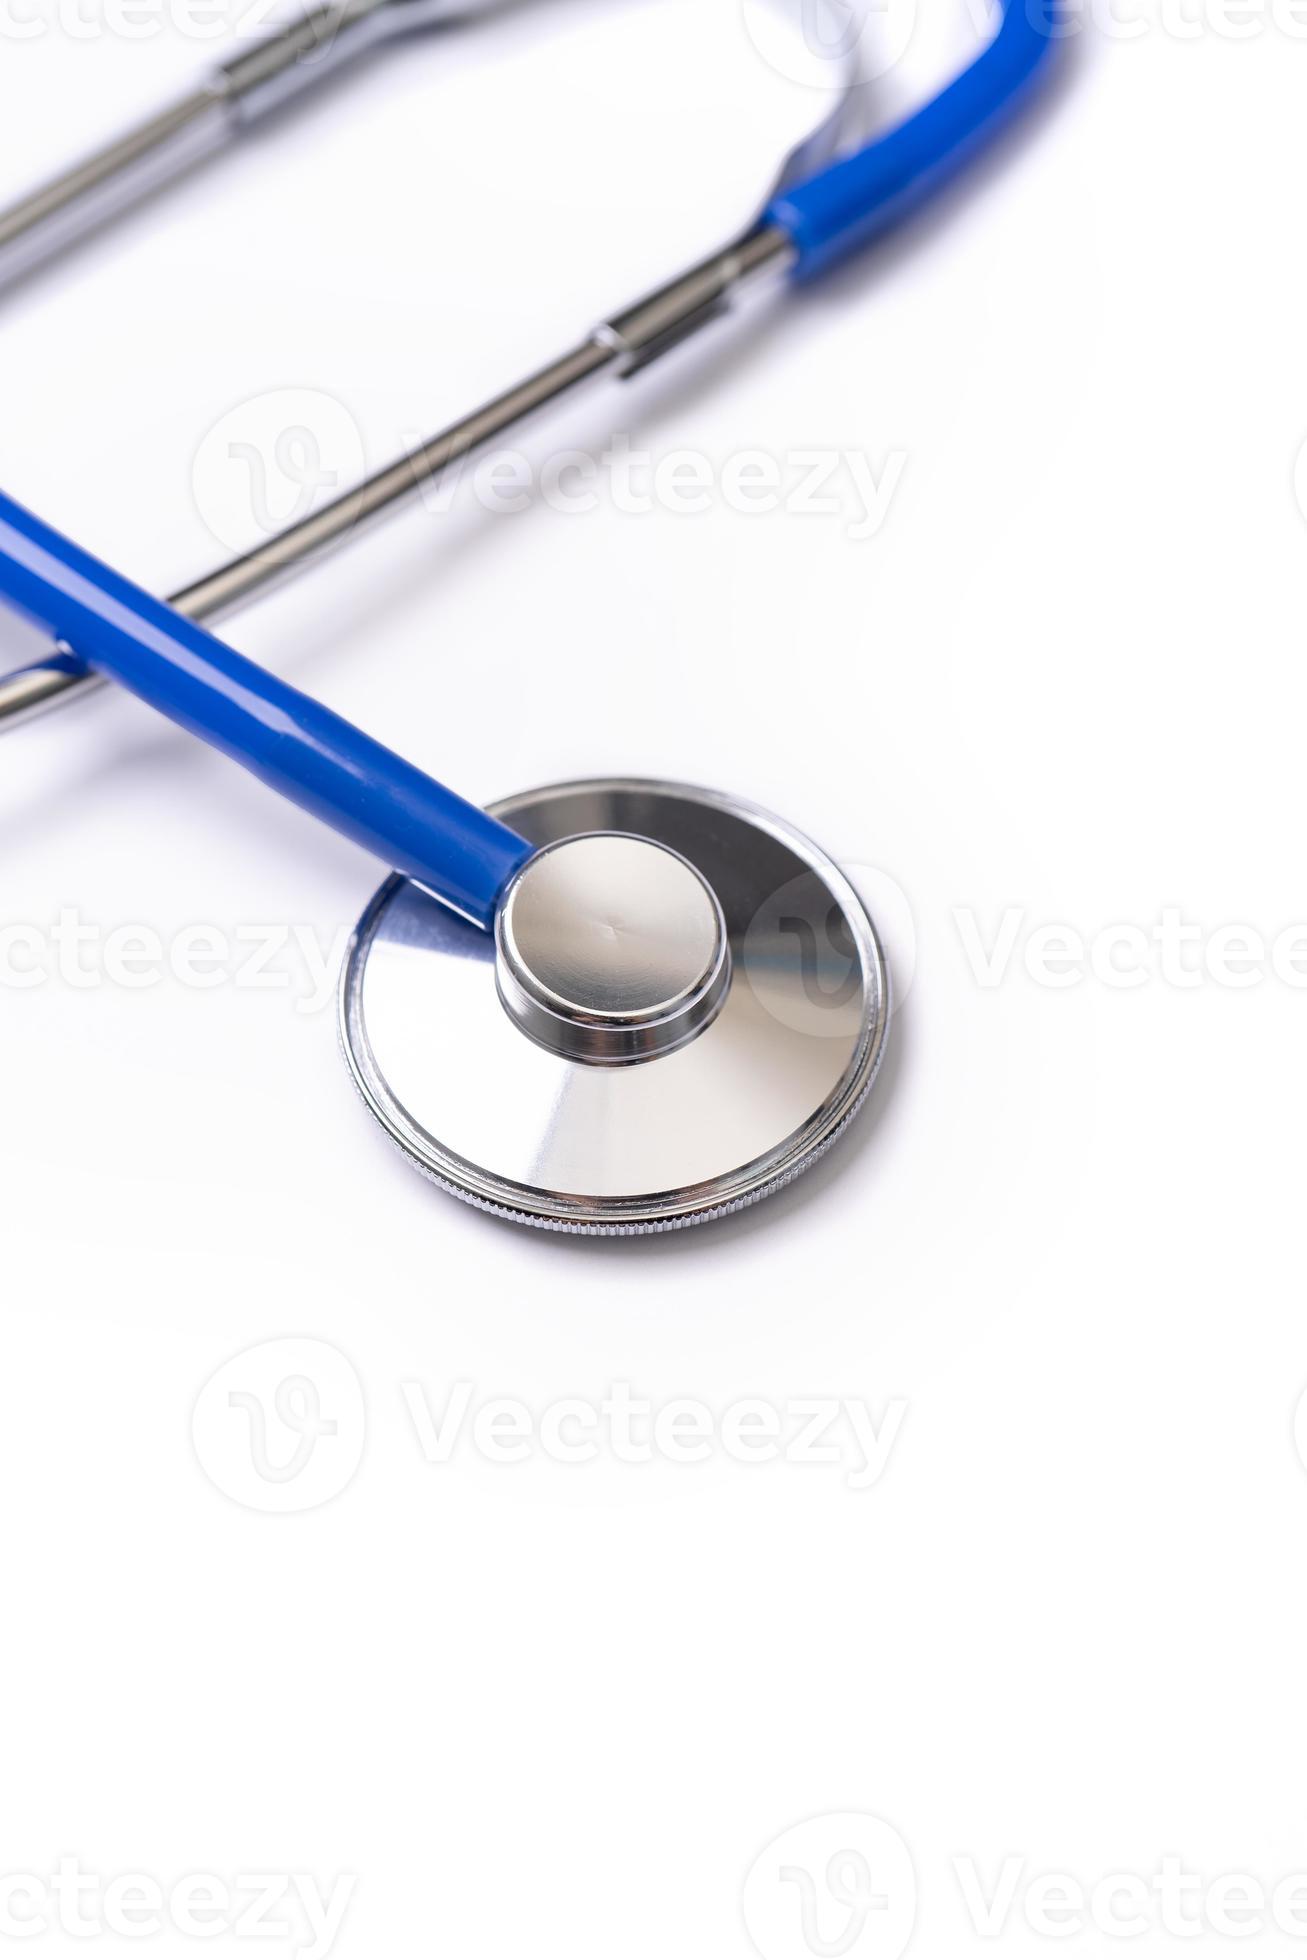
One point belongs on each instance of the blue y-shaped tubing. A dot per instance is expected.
(851, 202)
(291, 742)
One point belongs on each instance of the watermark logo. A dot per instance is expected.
(826, 44)
(802, 960)
(832, 44)
(840, 1887)
(281, 1427)
(272, 461)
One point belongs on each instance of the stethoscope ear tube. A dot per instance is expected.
(805, 228)
(851, 202)
(298, 747)
(317, 42)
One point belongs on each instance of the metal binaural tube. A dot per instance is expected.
(317, 43)
(85, 197)
(62, 679)
(293, 549)
(808, 224)
(621, 347)
(630, 341)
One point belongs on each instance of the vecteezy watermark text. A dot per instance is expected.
(287, 1906)
(1127, 954)
(281, 1427)
(843, 484)
(72, 951)
(272, 460)
(142, 20)
(838, 1432)
(878, 34)
(1171, 1900)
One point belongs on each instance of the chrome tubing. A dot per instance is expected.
(622, 346)
(48, 220)
(318, 43)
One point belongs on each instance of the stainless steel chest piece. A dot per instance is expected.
(683, 1005)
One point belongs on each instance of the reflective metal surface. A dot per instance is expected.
(82, 199)
(611, 949)
(631, 340)
(739, 1110)
(318, 42)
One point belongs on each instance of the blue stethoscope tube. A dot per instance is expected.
(852, 201)
(292, 743)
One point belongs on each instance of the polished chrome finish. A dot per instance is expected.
(656, 324)
(728, 1117)
(604, 351)
(291, 550)
(666, 317)
(322, 40)
(54, 683)
(58, 682)
(316, 44)
(86, 197)
(611, 949)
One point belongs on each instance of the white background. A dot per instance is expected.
(561, 1710)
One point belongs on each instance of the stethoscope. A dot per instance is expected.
(607, 1007)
